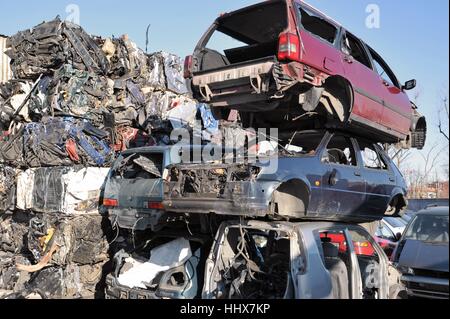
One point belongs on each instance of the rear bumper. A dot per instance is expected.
(244, 85)
(216, 206)
(137, 219)
(426, 287)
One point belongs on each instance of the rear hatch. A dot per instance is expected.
(238, 54)
(134, 187)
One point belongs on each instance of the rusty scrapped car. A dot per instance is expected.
(320, 175)
(316, 74)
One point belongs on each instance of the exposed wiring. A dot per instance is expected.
(133, 231)
(116, 226)
(188, 228)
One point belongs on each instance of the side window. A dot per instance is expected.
(352, 46)
(383, 69)
(371, 157)
(340, 151)
(317, 25)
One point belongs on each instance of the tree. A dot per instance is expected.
(443, 117)
(426, 172)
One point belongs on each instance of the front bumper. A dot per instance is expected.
(426, 287)
(115, 291)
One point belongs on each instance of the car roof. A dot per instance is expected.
(438, 211)
(305, 226)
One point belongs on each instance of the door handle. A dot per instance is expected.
(349, 59)
(391, 179)
(357, 174)
(333, 178)
(386, 83)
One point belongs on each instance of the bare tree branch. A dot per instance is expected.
(441, 125)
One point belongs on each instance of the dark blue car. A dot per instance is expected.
(320, 175)
(422, 254)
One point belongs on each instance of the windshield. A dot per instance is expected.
(429, 228)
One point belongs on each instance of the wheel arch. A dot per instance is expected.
(339, 93)
(291, 198)
(399, 202)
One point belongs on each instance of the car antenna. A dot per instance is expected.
(146, 38)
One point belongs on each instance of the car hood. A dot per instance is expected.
(422, 255)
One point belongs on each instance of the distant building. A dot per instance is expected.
(435, 190)
(5, 69)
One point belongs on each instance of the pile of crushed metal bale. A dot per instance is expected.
(75, 102)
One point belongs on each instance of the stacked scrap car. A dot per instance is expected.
(307, 67)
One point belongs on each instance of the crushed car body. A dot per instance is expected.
(167, 266)
(307, 67)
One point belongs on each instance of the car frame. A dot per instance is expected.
(305, 186)
(310, 277)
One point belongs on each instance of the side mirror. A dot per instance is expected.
(411, 84)
(398, 236)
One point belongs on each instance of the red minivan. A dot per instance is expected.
(285, 56)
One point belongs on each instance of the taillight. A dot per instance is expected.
(289, 47)
(362, 245)
(155, 205)
(188, 66)
(110, 202)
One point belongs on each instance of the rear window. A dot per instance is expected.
(135, 166)
(304, 143)
(317, 25)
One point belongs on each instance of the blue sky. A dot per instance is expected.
(413, 36)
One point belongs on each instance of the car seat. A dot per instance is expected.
(338, 271)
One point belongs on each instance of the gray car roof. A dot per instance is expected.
(440, 211)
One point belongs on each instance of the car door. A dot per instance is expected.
(370, 261)
(339, 237)
(397, 109)
(368, 104)
(379, 177)
(343, 187)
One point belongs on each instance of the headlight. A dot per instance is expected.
(405, 270)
